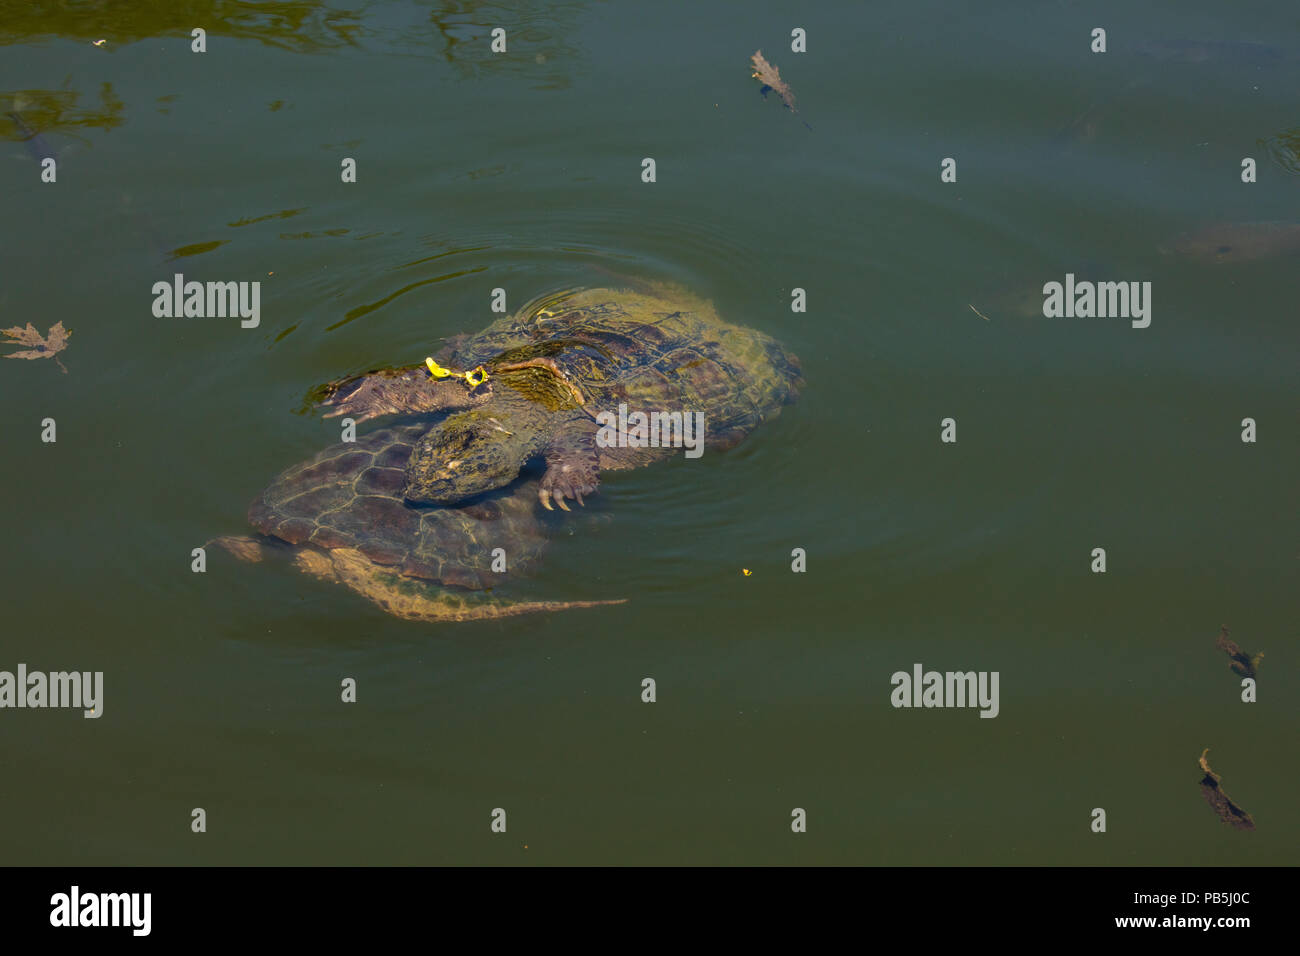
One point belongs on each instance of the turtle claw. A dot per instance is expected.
(561, 491)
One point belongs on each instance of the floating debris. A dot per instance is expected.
(1228, 811)
(1242, 663)
(47, 346)
(769, 76)
(1284, 149)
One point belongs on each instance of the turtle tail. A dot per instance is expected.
(445, 606)
(419, 601)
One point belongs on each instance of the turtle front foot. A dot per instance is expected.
(572, 468)
(565, 482)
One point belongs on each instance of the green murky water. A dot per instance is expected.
(523, 171)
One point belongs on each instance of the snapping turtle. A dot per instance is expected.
(551, 380)
(343, 511)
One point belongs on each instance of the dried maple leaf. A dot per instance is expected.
(767, 74)
(47, 346)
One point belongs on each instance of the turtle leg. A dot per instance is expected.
(392, 392)
(241, 546)
(572, 465)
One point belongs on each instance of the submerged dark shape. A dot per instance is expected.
(1284, 149)
(1242, 663)
(552, 369)
(341, 517)
(1228, 52)
(1019, 293)
(1237, 242)
(1222, 804)
(1153, 58)
(35, 143)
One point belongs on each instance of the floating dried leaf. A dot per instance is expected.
(768, 75)
(1242, 663)
(1228, 811)
(47, 346)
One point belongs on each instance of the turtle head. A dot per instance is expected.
(409, 390)
(464, 456)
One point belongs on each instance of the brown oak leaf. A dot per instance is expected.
(47, 346)
(768, 75)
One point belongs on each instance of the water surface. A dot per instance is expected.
(522, 171)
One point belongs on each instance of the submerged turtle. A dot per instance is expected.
(541, 383)
(343, 512)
